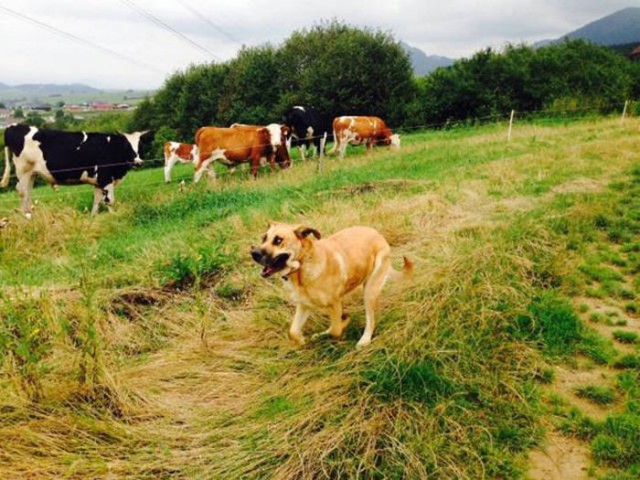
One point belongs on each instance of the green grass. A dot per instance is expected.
(597, 393)
(625, 337)
(167, 355)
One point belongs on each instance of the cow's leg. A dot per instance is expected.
(255, 164)
(25, 187)
(169, 163)
(342, 147)
(110, 196)
(99, 194)
(272, 161)
(369, 144)
(200, 169)
(303, 149)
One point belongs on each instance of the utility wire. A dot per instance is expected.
(75, 38)
(215, 27)
(167, 27)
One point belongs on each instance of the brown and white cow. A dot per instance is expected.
(178, 152)
(241, 144)
(358, 130)
(280, 135)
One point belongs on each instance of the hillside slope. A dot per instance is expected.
(619, 28)
(145, 344)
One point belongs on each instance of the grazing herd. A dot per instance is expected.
(102, 160)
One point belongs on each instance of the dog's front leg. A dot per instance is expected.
(339, 321)
(299, 319)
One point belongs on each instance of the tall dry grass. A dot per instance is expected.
(197, 379)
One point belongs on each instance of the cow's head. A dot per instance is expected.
(278, 138)
(134, 141)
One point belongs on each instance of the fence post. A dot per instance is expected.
(510, 125)
(624, 111)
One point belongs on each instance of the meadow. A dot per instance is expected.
(145, 344)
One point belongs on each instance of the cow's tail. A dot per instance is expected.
(4, 183)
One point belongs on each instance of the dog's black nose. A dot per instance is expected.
(257, 254)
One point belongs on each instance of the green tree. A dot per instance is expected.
(573, 74)
(250, 90)
(35, 119)
(344, 70)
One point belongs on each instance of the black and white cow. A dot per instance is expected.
(98, 159)
(308, 127)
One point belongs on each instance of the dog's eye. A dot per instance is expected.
(277, 240)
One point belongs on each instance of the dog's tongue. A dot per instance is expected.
(267, 272)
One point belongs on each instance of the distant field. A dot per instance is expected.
(20, 97)
(145, 344)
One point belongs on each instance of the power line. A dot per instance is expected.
(167, 27)
(75, 38)
(215, 27)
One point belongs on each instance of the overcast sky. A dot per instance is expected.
(137, 43)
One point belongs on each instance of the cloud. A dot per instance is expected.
(148, 52)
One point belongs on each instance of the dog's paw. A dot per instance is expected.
(320, 336)
(299, 340)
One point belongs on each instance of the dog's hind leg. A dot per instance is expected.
(299, 319)
(372, 288)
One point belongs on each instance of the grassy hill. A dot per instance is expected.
(144, 344)
(52, 94)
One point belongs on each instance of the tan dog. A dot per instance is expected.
(321, 272)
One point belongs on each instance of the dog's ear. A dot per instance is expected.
(304, 232)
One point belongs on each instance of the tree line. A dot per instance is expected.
(343, 70)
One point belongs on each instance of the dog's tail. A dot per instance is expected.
(406, 273)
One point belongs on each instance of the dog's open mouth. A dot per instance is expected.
(275, 265)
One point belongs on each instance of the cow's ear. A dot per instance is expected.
(304, 232)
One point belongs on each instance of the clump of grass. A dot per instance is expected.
(599, 394)
(628, 361)
(618, 444)
(418, 381)
(597, 347)
(25, 343)
(624, 336)
(189, 269)
(551, 321)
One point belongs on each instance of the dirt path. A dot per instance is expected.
(563, 457)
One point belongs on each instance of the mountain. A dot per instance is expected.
(423, 63)
(48, 89)
(621, 27)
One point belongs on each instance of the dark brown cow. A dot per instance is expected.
(233, 146)
(358, 130)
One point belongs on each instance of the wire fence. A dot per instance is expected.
(512, 118)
